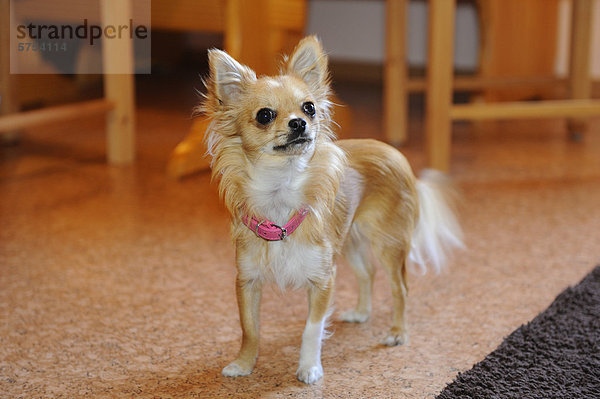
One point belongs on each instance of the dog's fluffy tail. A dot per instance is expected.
(437, 232)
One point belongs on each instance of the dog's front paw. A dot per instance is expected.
(234, 369)
(352, 316)
(310, 374)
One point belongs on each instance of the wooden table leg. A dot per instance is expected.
(580, 83)
(395, 90)
(438, 123)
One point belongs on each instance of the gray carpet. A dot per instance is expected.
(556, 355)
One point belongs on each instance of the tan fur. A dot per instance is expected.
(361, 194)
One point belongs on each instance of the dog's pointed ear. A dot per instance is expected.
(309, 63)
(227, 77)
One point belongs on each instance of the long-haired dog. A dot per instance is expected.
(298, 199)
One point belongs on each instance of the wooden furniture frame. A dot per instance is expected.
(440, 82)
(118, 100)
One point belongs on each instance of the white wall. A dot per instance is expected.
(350, 30)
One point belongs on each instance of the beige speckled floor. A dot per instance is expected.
(119, 283)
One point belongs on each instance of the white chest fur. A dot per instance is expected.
(276, 187)
(289, 263)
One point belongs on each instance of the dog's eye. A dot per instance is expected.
(309, 108)
(265, 116)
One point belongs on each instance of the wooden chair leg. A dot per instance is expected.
(438, 123)
(119, 88)
(580, 83)
(395, 106)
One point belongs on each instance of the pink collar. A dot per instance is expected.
(270, 231)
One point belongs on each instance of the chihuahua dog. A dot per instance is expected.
(298, 199)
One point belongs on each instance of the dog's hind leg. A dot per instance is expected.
(393, 261)
(358, 254)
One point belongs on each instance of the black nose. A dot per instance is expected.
(297, 126)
